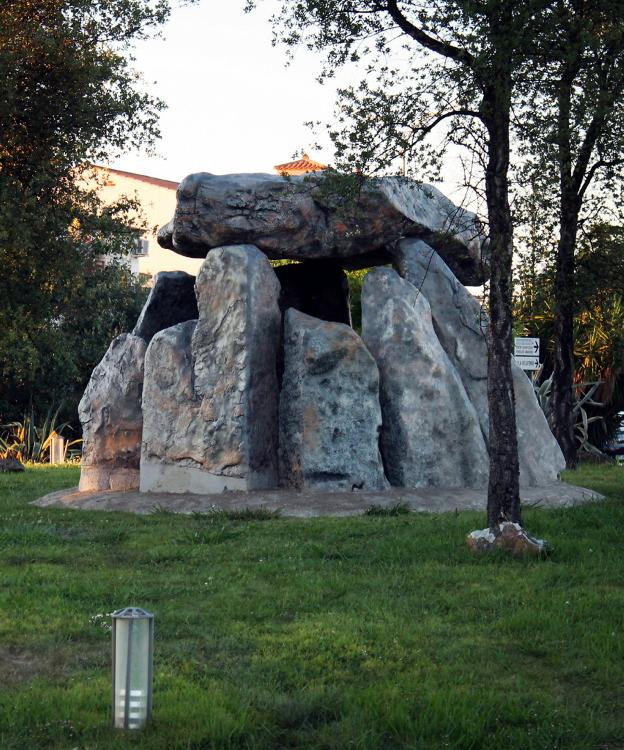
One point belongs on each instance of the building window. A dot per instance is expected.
(141, 248)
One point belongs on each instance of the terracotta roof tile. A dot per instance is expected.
(305, 164)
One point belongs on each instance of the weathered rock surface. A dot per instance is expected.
(10, 464)
(509, 537)
(319, 288)
(299, 219)
(461, 327)
(329, 408)
(171, 301)
(210, 399)
(430, 435)
(111, 417)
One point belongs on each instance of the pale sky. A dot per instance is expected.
(233, 106)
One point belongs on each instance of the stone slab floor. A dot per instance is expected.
(311, 504)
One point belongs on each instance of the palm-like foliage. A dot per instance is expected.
(25, 440)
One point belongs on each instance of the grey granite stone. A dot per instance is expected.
(301, 218)
(211, 393)
(111, 418)
(461, 327)
(171, 301)
(430, 434)
(329, 408)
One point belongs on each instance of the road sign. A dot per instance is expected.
(527, 363)
(526, 347)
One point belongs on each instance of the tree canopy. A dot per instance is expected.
(70, 98)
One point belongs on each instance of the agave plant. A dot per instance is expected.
(583, 394)
(26, 441)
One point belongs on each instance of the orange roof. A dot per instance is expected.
(141, 177)
(305, 164)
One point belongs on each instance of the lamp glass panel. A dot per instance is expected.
(132, 672)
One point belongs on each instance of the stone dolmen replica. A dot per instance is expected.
(251, 377)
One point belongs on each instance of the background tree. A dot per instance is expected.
(69, 98)
(598, 320)
(571, 122)
(464, 59)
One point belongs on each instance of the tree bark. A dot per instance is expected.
(562, 397)
(503, 502)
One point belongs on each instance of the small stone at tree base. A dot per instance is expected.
(10, 464)
(510, 537)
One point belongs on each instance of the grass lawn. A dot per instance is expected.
(373, 632)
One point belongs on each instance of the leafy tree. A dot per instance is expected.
(464, 60)
(598, 321)
(69, 98)
(571, 122)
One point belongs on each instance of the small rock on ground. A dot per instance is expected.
(509, 537)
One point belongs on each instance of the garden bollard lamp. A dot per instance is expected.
(133, 653)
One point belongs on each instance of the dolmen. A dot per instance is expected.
(250, 376)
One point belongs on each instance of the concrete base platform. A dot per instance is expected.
(312, 504)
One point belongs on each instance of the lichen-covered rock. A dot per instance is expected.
(430, 435)
(329, 408)
(210, 399)
(111, 417)
(171, 301)
(509, 537)
(461, 327)
(301, 218)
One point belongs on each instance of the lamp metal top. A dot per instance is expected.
(132, 613)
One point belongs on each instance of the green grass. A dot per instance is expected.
(372, 632)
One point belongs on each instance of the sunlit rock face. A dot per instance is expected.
(302, 218)
(430, 435)
(211, 393)
(112, 419)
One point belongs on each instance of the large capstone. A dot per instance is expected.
(171, 301)
(461, 326)
(430, 435)
(329, 408)
(319, 288)
(210, 400)
(111, 417)
(305, 218)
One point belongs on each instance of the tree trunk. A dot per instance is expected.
(562, 417)
(503, 487)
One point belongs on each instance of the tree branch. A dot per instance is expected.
(437, 120)
(435, 45)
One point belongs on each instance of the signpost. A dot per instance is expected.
(526, 352)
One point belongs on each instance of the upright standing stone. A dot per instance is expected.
(329, 408)
(110, 413)
(461, 327)
(430, 435)
(171, 301)
(210, 402)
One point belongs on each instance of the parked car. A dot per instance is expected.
(615, 447)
